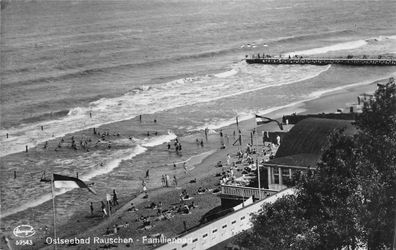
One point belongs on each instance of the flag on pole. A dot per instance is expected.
(264, 120)
(62, 181)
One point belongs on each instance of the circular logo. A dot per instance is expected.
(24, 231)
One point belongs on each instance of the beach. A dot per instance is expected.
(97, 89)
(200, 161)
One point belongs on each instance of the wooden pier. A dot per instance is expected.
(324, 61)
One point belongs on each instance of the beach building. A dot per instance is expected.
(301, 149)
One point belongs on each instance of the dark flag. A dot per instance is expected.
(62, 181)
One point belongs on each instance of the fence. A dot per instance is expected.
(246, 192)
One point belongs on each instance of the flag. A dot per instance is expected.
(264, 120)
(62, 181)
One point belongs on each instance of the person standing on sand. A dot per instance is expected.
(175, 180)
(115, 198)
(148, 174)
(174, 165)
(185, 167)
(144, 187)
(103, 207)
(92, 208)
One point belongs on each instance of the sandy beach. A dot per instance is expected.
(200, 162)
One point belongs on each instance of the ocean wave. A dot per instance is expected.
(243, 116)
(46, 116)
(312, 36)
(158, 140)
(66, 73)
(118, 157)
(336, 47)
(162, 97)
(226, 74)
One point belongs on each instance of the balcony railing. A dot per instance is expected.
(246, 192)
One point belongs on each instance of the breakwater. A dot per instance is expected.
(323, 61)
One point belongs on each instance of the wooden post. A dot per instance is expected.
(280, 176)
(185, 225)
(53, 206)
(7, 135)
(27, 148)
(258, 177)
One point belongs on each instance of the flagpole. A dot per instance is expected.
(257, 165)
(53, 206)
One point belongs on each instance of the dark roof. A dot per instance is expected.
(300, 160)
(304, 142)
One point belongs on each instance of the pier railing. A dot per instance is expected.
(246, 192)
(323, 61)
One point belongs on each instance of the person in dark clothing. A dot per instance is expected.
(115, 198)
(92, 208)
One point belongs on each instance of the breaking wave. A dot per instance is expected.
(187, 91)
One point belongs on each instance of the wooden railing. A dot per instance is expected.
(323, 61)
(247, 192)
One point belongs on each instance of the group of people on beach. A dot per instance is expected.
(106, 210)
(165, 181)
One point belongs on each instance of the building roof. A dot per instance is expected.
(295, 161)
(302, 145)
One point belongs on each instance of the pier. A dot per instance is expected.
(323, 61)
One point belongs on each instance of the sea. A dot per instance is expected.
(71, 65)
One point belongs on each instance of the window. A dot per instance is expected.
(224, 226)
(184, 245)
(194, 240)
(205, 235)
(242, 218)
(214, 231)
(233, 222)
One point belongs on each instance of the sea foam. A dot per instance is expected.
(154, 99)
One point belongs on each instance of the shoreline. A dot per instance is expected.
(325, 101)
(305, 107)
